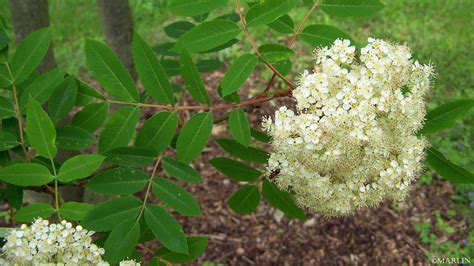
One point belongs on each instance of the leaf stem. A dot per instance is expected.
(255, 48)
(300, 26)
(255, 100)
(292, 41)
(56, 188)
(19, 116)
(148, 188)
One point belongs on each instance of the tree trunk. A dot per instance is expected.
(117, 22)
(28, 16)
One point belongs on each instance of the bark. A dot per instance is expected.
(117, 22)
(28, 16)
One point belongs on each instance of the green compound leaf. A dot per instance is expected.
(176, 197)
(122, 240)
(42, 87)
(238, 73)
(239, 126)
(33, 211)
(7, 141)
(249, 154)
(196, 247)
(194, 136)
(208, 35)
(110, 71)
(130, 156)
(245, 200)
(235, 170)
(192, 78)
(188, 8)
(158, 132)
(281, 200)
(75, 211)
(26, 174)
(91, 116)
(166, 229)
(283, 24)
(79, 167)
(275, 52)
(63, 99)
(180, 170)
(178, 28)
(105, 215)
(118, 181)
(351, 8)
(29, 54)
(448, 169)
(323, 35)
(445, 116)
(73, 138)
(151, 72)
(119, 130)
(268, 11)
(40, 130)
(6, 108)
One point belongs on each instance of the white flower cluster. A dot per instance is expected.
(45, 244)
(352, 141)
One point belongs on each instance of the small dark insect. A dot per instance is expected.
(273, 174)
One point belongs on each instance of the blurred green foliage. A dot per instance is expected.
(436, 30)
(431, 234)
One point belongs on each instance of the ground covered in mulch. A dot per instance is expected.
(380, 236)
(376, 236)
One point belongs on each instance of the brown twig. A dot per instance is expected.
(261, 98)
(226, 115)
(145, 249)
(255, 47)
(255, 100)
(269, 84)
(300, 26)
(292, 41)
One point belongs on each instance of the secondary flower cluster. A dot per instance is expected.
(43, 243)
(352, 142)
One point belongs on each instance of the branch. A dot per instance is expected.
(300, 26)
(148, 188)
(19, 116)
(292, 41)
(255, 100)
(255, 48)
